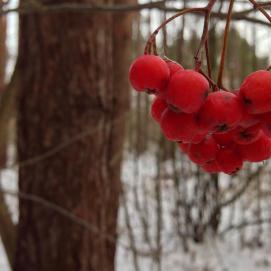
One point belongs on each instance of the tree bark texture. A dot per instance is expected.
(72, 79)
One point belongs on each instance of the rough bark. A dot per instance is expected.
(72, 75)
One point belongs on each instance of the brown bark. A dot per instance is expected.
(72, 74)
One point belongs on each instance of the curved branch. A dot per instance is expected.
(85, 8)
(245, 224)
(242, 190)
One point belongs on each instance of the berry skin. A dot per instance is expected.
(174, 67)
(256, 92)
(211, 167)
(246, 136)
(224, 139)
(266, 123)
(187, 90)
(221, 112)
(157, 108)
(229, 160)
(203, 152)
(178, 126)
(248, 120)
(198, 138)
(257, 151)
(149, 73)
(266, 129)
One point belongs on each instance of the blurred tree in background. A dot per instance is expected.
(72, 89)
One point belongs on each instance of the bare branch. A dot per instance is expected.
(81, 8)
(7, 229)
(242, 190)
(73, 218)
(245, 224)
(159, 5)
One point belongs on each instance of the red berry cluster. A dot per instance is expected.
(217, 130)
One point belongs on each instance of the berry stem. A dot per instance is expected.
(211, 82)
(208, 59)
(151, 40)
(225, 43)
(264, 12)
(204, 37)
(261, 9)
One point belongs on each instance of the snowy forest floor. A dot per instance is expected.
(216, 254)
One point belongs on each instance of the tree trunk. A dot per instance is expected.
(7, 228)
(73, 81)
(3, 50)
(3, 61)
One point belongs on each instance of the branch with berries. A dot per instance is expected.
(216, 128)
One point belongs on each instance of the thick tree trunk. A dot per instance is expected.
(72, 77)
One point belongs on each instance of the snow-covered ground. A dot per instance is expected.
(9, 182)
(216, 254)
(212, 256)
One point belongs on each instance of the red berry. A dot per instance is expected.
(173, 67)
(266, 129)
(257, 151)
(187, 90)
(235, 91)
(224, 139)
(221, 112)
(158, 107)
(211, 167)
(149, 73)
(266, 123)
(198, 138)
(256, 92)
(178, 126)
(246, 136)
(248, 120)
(204, 151)
(229, 160)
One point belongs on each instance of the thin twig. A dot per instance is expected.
(261, 9)
(55, 150)
(245, 224)
(225, 43)
(151, 40)
(242, 190)
(73, 218)
(81, 8)
(204, 36)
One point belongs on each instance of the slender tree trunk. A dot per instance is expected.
(72, 75)
(3, 50)
(3, 61)
(7, 228)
